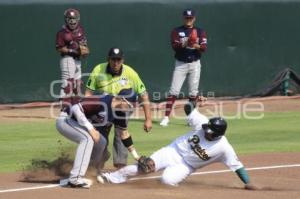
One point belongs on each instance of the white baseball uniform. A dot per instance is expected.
(185, 154)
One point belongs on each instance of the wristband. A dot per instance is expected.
(243, 175)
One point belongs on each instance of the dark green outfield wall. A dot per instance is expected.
(248, 43)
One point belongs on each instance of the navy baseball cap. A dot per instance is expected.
(115, 53)
(188, 13)
(128, 94)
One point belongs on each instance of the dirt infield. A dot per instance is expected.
(274, 183)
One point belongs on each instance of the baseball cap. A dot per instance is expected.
(115, 53)
(188, 13)
(128, 94)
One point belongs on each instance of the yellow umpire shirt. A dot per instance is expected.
(102, 80)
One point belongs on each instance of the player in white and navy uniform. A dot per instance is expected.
(202, 146)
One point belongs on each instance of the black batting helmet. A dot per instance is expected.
(216, 127)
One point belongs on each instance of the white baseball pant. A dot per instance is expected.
(70, 129)
(181, 70)
(167, 158)
(70, 68)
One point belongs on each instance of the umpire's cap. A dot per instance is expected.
(115, 52)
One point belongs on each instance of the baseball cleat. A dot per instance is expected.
(63, 182)
(165, 121)
(100, 179)
(80, 183)
(103, 178)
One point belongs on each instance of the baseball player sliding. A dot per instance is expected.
(202, 146)
(188, 42)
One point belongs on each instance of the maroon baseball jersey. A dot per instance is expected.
(70, 39)
(98, 110)
(186, 54)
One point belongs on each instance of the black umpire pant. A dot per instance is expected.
(120, 152)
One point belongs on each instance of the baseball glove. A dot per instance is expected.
(146, 165)
(193, 38)
(84, 50)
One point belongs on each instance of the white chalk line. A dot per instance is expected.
(29, 188)
(226, 170)
(155, 177)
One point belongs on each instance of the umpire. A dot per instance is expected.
(110, 78)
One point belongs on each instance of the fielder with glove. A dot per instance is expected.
(77, 122)
(204, 145)
(71, 43)
(189, 43)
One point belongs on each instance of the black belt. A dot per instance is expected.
(187, 61)
(75, 57)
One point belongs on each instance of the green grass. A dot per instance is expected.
(24, 141)
(276, 132)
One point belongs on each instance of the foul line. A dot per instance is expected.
(155, 177)
(29, 188)
(226, 171)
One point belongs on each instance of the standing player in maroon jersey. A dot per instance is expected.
(70, 42)
(188, 42)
